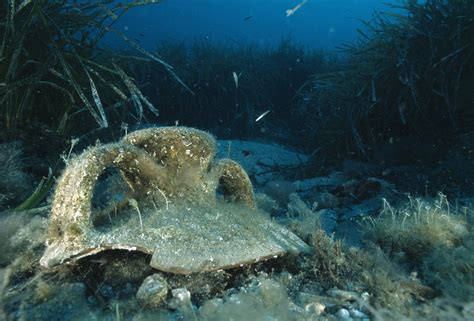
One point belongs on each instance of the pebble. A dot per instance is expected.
(181, 294)
(344, 315)
(365, 296)
(315, 308)
(325, 200)
(357, 314)
(183, 303)
(153, 291)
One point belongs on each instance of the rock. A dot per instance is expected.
(343, 315)
(349, 232)
(324, 182)
(361, 190)
(262, 299)
(368, 188)
(182, 295)
(346, 190)
(153, 291)
(372, 206)
(260, 161)
(266, 203)
(298, 208)
(182, 302)
(203, 286)
(325, 200)
(357, 314)
(369, 195)
(279, 190)
(327, 220)
(304, 227)
(307, 221)
(315, 308)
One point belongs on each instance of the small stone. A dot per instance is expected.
(315, 308)
(182, 302)
(181, 294)
(325, 200)
(343, 315)
(365, 296)
(153, 291)
(279, 190)
(357, 314)
(328, 220)
(286, 279)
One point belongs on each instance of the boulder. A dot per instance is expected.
(261, 161)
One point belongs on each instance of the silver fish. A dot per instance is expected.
(263, 115)
(236, 79)
(292, 11)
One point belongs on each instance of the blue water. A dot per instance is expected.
(328, 142)
(318, 24)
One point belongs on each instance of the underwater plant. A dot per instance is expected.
(14, 181)
(335, 266)
(414, 231)
(432, 240)
(52, 68)
(410, 73)
(233, 85)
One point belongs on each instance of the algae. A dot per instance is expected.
(408, 78)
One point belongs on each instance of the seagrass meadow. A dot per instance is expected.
(214, 160)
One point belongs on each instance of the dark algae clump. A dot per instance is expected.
(236, 160)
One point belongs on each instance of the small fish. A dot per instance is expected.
(141, 35)
(236, 79)
(263, 115)
(248, 18)
(292, 11)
